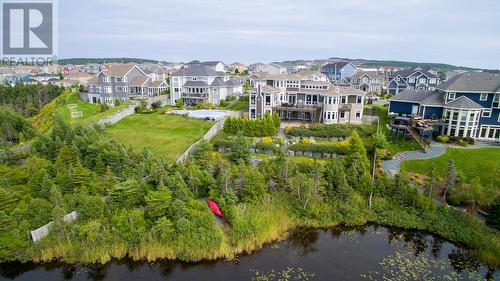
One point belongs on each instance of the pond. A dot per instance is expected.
(361, 253)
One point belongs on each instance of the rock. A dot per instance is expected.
(317, 155)
(299, 153)
(290, 153)
(308, 154)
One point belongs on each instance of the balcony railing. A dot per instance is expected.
(195, 95)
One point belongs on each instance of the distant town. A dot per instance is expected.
(465, 101)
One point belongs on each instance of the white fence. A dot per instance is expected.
(208, 136)
(112, 119)
(43, 231)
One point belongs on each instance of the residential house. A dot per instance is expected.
(370, 82)
(80, 78)
(296, 99)
(214, 65)
(202, 84)
(120, 82)
(256, 67)
(467, 105)
(92, 68)
(237, 66)
(274, 68)
(339, 70)
(419, 78)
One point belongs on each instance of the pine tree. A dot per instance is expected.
(99, 167)
(66, 158)
(239, 150)
(46, 187)
(451, 179)
(158, 202)
(79, 175)
(255, 184)
(6, 200)
(432, 179)
(336, 181)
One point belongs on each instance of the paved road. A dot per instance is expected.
(392, 166)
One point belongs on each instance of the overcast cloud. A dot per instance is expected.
(460, 32)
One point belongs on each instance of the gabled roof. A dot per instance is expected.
(430, 98)
(218, 83)
(197, 83)
(197, 71)
(472, 82)
(427, 71)
(464, 102)
(156, 84)
(338, 65)
(118, 70)
(139, 80)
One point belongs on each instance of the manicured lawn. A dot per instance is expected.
(165, 135)
(403, 145)
(484, 162)
(239, 105)
(91, 112)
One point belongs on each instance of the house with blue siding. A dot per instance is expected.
(419, 78)
(339, 70)
(467, 105)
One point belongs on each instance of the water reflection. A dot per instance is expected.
(342, 253)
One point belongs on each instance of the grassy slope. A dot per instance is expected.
(405, 145)
(239, 105)
(167, 135)
(91, 112)
(484, 162)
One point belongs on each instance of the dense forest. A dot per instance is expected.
(28, 99)
(134, 203)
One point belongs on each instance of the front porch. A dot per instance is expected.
(303, 113)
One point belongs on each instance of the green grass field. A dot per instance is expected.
(91, 112)
(239, 105)
(483, 162)
(403, 145)
(165, 135)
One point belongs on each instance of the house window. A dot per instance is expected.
(358, 114)
(343, 99)
(342, 114)
(411, 80)
(118, 79)
(432, 81)
(359, 99)
(496, 101)
(329, 114)
(268, 100)
(483, 97)
(486, 113)
(451, 96)
(421, 80)
(333, 115)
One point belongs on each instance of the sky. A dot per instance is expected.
(459, 32)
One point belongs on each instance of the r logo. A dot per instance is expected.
(28, 28)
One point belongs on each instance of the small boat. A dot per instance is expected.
(215, 209)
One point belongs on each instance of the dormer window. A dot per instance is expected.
(483, 97)
(451, 96)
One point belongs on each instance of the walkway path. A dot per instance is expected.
(393, 166)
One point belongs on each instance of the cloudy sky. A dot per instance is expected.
(460, 32)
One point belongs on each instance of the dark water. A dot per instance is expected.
(365, 253)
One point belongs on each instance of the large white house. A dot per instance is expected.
(202, 84)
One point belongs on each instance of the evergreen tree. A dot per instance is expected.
(432, 179)
(6, 200)
(46, 187)
(451, 179)
(79, 175)
(255, 184)
(99, 167)
(336, 181)
(239, 150)
(158, 202)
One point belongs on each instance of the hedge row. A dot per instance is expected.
(331, 131)
(267, 146)
(267, 126)
(323, 148)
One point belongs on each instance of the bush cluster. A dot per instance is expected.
(323, 148)
(331, 131)
(267, 126)
(267, 146)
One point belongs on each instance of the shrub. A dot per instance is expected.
(305, 141)
(267, 126)
(156, 104)
(323, 148)
(267, 146)
(331, 131)
(179, 103)
(462, 142)
(267, 140)
(442, 139)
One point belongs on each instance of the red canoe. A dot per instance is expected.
(215, 209)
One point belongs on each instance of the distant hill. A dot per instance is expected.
(405, 64)
(104, 60)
